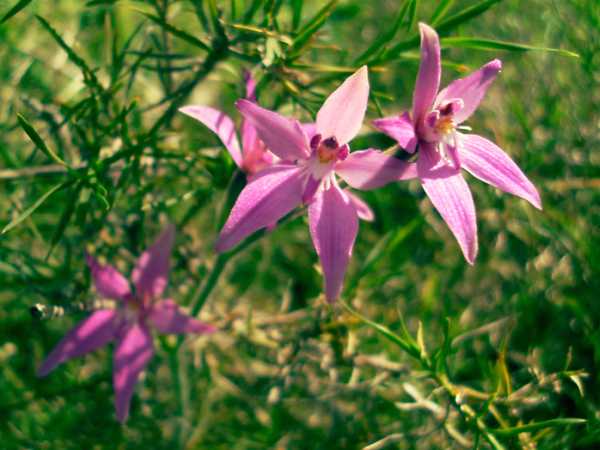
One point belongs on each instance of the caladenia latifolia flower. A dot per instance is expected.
(138, 310)
(306, 173)
(252, 155)
(433, 129)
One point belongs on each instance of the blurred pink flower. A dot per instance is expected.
(252, 156)
(443, 151)
(306, 174)
(128, 325)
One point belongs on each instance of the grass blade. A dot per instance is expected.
(465, 15)
(25, 214)
(38, 141)
(89, 75)
(440, 11)
(184, 35)
(14, 10)
(492, 44)
(538, 426)
(308, 30)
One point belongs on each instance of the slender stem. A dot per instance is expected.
(202, 294)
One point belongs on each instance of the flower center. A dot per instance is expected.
(439, 124)
(328, 150)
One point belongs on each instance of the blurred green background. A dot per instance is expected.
(287, 371)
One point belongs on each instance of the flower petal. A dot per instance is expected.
(220, 124)
(333, 225)
(399, 128)
(430, 72)
(270, 195)
(132, 354)
(470, 89)
(169, 319)
(151, 273)
(451, 196)
(370, 169)
(282, 136)
(363, 210)
(486, 161)
(88, 335)
(343, 112)
(109, 282)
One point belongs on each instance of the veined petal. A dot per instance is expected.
(109, 282)
(310, 129)
(363, 210)
(430, 72)
(470, 89)
(399, 128)
(270, 195)
(370, 169)
(342, 114)
(486, 161)
(282, 136)
(333, 225)
(88, 335)
(451, 196)
(132, 354)
(220, 124)
(169, 319)
(151, 273)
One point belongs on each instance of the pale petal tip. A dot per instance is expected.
(426, 30)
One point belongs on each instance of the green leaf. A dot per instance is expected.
(407, 344)
(64, 218)
(413, 7)
(14, 10)
(445, 26)
(89, 75)
(466, 14)
(537, 426)
(184, 35)
(492, 44)
(440, 11)
(38, 141)
(25, 214)
(379, 44)
(313, 25)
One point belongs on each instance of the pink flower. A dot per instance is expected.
(128, 325)
(253, 156)
(306, 174)
(443, 151)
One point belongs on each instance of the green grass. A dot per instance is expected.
(508, 350)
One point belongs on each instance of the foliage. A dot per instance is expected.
(424, 351)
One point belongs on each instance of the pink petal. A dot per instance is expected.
(282, 136)
(363, 210)
(430, 72)
(220, 124)
(270, 195)
(451, 196)
(489, 163)
(399, 128)
(169, 319)
(470, 89)
(151, 273)
(370, 169)
(333, 227)
(88, 335)
(310, 129)
(343, 112)
(108, 281)
(132, 354)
